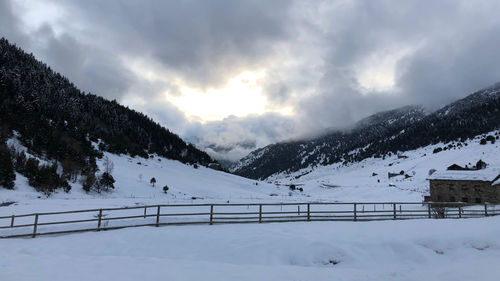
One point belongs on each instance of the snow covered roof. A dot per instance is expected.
(496, 182)
(473, 175)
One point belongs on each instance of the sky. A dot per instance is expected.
(232, 76)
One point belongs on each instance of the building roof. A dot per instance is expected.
(496, 182)
(488, 175)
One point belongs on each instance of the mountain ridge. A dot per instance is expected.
(380, 134)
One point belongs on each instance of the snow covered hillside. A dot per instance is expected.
(186, 185)
(445, 250)
(368, 180)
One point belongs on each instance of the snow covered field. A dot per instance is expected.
(334, 183)
(467, 249)
(186, 185)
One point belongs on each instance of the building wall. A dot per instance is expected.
(464, 191)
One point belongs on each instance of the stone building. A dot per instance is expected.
(468, 186)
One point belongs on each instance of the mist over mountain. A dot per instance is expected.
(378, 135)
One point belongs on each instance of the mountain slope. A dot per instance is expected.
(56, 121)
(381, 134)
(329, 148)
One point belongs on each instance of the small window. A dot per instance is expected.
(465, 200)
(478, 200)
(452, 199)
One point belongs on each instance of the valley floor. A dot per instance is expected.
(467, 249)
(366, 181)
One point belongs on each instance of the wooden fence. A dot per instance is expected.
(32, 225)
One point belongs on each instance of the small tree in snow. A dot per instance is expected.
(152, 181)
(107, 181)
(108, 165)
(165, 189)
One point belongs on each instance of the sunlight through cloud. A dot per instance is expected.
(241, 97)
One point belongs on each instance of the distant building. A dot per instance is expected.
(468, 186)
(456, 167)
(215, 166)
(479, 166)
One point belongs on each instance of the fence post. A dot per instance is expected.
(145, 212)
(355, 212)
(429, 209)
(260, 213)
(12, 221)
(35, 225)
(485, 210)
(298, 210)
(99, 220)
(158, 216)
(394, 209)
(459, 212)
(308, 211)
(211, 214)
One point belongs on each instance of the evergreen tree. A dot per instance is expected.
(88, 181)
(7, 175)
(31, 168)
(20, 162)
(107, 181)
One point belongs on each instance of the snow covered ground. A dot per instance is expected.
(333, 183)
(357, 182)
(467, 249)
(186, 185)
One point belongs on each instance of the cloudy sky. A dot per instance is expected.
(232, 76)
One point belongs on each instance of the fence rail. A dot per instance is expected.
(34, 224)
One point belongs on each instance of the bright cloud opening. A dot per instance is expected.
(241, 97)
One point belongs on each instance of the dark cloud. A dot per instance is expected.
(204, 41)
(316, 56)
(10, 26)
(440, 73)
(448, 51)
(93, 70)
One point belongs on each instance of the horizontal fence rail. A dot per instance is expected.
(32, 225)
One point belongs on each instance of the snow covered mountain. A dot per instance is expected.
(332, 147)
(380, 135)
(57, 123)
